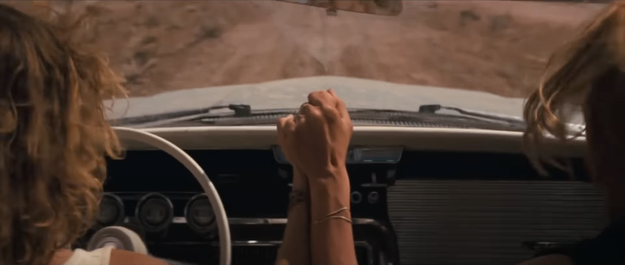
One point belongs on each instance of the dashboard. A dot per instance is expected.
(419, 195)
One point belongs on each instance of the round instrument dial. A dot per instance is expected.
(200, 214)
(155, 212)
(111, 210)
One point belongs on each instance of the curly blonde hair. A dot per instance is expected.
(53, 135)
(588, 72)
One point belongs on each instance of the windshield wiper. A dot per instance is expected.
(243, 115)
(240, 110)
(471, 113)
(367, 117)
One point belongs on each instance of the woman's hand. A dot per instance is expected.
(317, 139)
(300, 182)
(316, 142)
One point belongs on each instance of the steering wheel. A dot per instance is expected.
(225, 248)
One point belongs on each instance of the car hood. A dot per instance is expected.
(290, 93)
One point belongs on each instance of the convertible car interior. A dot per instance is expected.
(432, 196)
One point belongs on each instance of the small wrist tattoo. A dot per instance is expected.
(296, 197)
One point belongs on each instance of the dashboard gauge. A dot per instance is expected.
(200, 214)
(155, 212)
(111, 210)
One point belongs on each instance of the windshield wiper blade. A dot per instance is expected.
(433, 108)
(243, 115)
(241, 110)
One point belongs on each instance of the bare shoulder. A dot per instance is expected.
(549, 260)
(122, 257)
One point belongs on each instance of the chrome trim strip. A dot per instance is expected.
(260, 221)
(374, 185)
(271, 243)
(277, 243)
(440, 139)
(254, 221)
(274, 243)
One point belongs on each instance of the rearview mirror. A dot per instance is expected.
(377, 7)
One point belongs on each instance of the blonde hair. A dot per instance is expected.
(587, 73)
(53, 135)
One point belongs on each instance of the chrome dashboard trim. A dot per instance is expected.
(271, 243)
(263, 221)
(374, 185)
(242, 243)
(274, 243)
(411, 138)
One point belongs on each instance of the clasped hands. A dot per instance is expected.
(316, 140)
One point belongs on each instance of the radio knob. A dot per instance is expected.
(373, 197)
(356, 197)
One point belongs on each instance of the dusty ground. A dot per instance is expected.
(499, 47)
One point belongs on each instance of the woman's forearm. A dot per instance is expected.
(295, 249)
(332, 240)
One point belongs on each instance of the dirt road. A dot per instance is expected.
(499, 47)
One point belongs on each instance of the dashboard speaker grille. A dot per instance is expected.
(466, 222)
